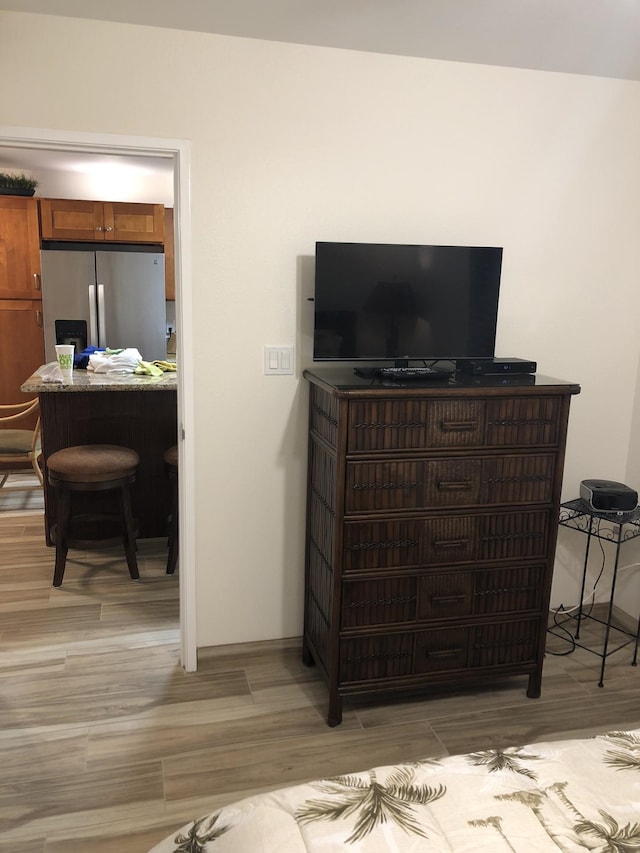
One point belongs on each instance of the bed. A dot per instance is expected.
(558, 796)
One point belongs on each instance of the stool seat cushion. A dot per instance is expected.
(170, 457)
(93, 463)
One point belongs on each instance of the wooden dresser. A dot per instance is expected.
(432, 518)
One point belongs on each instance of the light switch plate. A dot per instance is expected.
(278, 361)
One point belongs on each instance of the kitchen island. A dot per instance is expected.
(139, 412)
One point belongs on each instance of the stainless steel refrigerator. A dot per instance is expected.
(110, 299)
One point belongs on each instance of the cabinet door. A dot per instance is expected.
(19, 248)
(126, 222)
(169, 256)
(21, 345)
(71, 219)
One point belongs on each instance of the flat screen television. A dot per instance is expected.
(402, 303)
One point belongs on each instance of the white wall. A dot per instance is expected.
(294, 144)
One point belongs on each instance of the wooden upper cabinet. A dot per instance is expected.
(169, 256)
(133, 223)
(120, 222)
(68, 219)
(19, 248)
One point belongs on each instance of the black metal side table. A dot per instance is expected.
(617, 528)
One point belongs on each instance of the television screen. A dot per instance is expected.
(377, 302)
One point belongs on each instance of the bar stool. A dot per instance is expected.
(93, 468)
(170, 457)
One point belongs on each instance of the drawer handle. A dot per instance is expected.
(510, 537)
(383, 602)
(455, 486)
(507, 590)
(516, 422)
(447, 599)
(372, 546)
(392, 425)
(458, 426)
(358, 487)
(500, 644)
(524, 478)
(443, 653)
(379, 656)
(450, 543)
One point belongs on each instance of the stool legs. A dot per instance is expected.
(64, 540)
(129, 533)
(172, 542)
(62, 530)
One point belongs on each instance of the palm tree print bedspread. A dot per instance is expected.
(561, 797)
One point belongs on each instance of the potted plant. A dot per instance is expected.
(17, 184)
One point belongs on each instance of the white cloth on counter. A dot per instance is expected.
(124, 361)
(50, 372)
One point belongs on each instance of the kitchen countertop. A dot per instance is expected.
(87, 380)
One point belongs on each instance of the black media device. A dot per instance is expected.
(608, 496)
(402, 303)
(489, 379)
(495, 366)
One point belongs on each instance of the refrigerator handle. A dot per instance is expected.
(93, 319)
(102, 329)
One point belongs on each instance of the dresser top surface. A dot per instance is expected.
(343, 381)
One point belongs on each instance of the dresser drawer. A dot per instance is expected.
(379, 425)
(439, 650)
(388, 425)
(523, 422)
(379, 602)
(377, 657)
(451, 595)
(493, 644)
(441, 596)
(384, 486)
(455, 539)
(372, 545)
(445, 540)
(411, 484)
(489, 481)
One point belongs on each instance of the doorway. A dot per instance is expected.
(179, 151)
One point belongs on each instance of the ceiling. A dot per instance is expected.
(595, 37)
(37, 160)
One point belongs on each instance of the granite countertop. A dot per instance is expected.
(87, 380)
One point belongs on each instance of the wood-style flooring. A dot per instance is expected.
(107, 745)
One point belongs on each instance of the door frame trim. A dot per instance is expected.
(180, 151)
